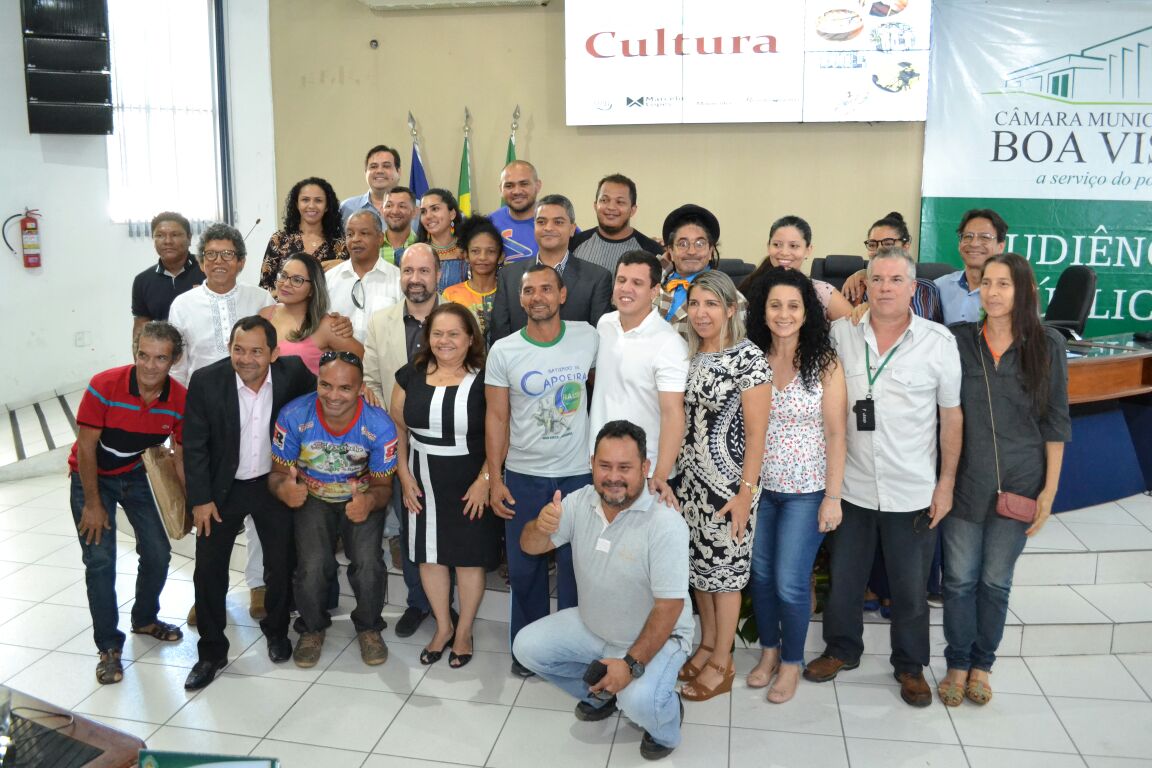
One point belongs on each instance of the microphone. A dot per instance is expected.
(254, 225)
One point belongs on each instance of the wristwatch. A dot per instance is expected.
(636, 667)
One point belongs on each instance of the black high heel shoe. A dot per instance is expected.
(428, 657)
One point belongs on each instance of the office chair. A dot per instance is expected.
(930, 270)
(737, 269)
(836, 269)
(1072, 301)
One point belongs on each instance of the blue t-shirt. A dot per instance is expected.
(332, 464)
(519, 236)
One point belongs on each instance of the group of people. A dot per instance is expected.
(604, 402)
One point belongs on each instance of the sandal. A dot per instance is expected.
(428, 657)
(110, 670)
(690, 670)
(978, 691)
(166, 633)
(761, 679)
(696, 692)
(950, 693)
(457, 660)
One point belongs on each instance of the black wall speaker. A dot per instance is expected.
(67, 65)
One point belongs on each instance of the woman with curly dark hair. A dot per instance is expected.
(802, 472)
(311, 225)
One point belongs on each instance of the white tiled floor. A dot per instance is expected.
(1055, 712)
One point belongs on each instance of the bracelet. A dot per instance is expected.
(753, 488)
(830, 496)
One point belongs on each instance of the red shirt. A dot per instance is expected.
(127, 425)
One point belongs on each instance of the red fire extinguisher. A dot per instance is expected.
(29, 237)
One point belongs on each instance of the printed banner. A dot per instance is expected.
(733, 61)
(1042, 111)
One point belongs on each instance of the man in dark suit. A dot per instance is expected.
(229, 416)
(589, 286)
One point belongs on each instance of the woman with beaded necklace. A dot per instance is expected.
(439, 218)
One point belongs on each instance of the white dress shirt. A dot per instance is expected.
(205, 319)
(381, 286)
(893, 468)
(255, 418)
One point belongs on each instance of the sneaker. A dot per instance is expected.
(308, 649)
(520, 670)
(590, 714)
(936, 600)
(256, 604)
(372, 648)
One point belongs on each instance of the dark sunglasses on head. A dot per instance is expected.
(348, 357)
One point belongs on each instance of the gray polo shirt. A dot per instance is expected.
(622, 567)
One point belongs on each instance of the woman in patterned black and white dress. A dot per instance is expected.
(438, 406)
(726, 403)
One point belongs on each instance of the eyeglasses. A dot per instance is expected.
(296, 280)
(358, 293)
(887, 242)
(983, 237)
(684, 244)
(221, 255)
(348, 357)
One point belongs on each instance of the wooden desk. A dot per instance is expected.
(1109, 457)
(1107, 372)
(121, 750)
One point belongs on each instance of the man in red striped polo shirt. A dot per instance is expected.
(124, 411)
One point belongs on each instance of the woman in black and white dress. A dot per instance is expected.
(438, 406)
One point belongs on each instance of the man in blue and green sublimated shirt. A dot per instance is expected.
(536, 428)
(333, 455)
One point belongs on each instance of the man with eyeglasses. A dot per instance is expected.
(366, 283)
(394, 335)
(231, 409)
(903, 375)
(691, 235)
(205, 317)
(982, 233)
(176, 271)
(589, 287)
(382, 172)
(333, 458)
(613, 235)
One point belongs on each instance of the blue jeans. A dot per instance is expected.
(317, 524)
(787, 537)
(130, 490)
(559, 648)
(979, 559)
(528, 574)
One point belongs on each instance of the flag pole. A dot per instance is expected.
(464, 187)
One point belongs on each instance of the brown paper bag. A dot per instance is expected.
(167, 492)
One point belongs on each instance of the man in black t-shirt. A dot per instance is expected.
(614, 235)
(175, 272)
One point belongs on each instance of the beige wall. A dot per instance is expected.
(334, 97)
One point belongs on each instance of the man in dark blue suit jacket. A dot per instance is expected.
(229, 416)
(589, 285)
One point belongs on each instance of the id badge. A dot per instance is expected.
(865, 411)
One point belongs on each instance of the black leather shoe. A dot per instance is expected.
(204, 673)
(410, 622)
(520, 670)
(279, 649)
(590, 714)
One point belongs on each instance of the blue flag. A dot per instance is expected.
(417, 180)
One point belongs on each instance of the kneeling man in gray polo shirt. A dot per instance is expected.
(630, 555)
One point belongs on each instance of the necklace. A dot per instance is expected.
(444, 250)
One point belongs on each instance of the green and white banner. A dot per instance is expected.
(1042, 111)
